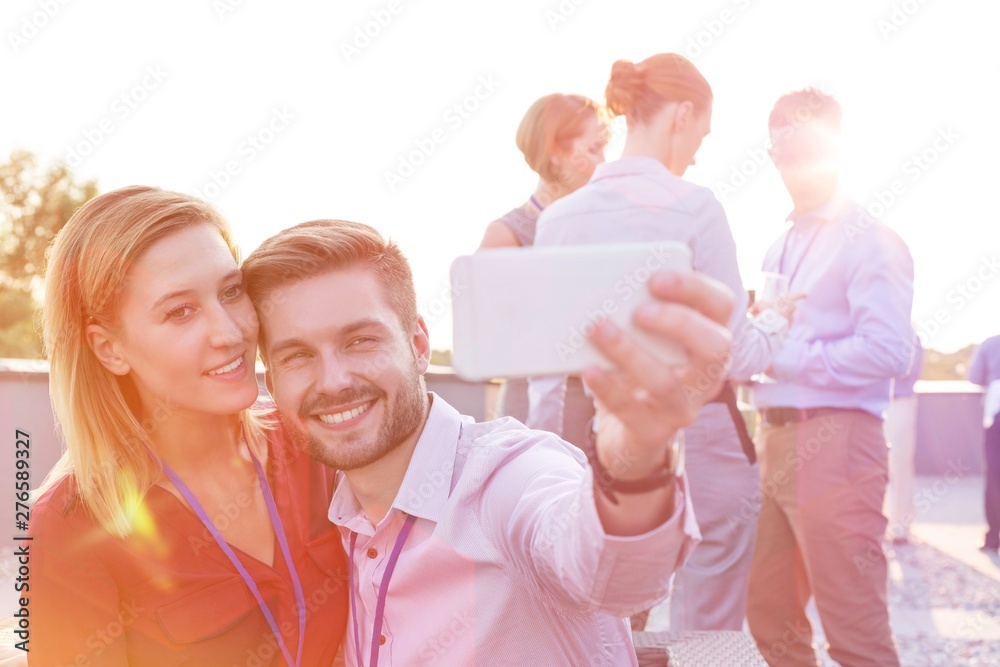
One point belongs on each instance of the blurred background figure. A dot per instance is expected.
(641, 197)
(562, 138)
(901, 433)
(824, 462)
(985, 370)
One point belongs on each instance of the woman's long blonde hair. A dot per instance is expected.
(107, 440)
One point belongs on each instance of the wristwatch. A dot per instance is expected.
(611, 486)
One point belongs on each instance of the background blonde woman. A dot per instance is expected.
(178, 526)
(562, 138)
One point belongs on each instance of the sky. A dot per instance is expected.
(402, 114)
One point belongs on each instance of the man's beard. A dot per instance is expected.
(401, 418)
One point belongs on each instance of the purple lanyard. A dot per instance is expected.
(383, 589)
(279, 533)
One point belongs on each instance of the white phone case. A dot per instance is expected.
(521, 312)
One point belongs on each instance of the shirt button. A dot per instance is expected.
(381, 640)
(372, 553)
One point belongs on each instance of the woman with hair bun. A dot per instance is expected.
(562, 138)
(667, 104)
(180, 526)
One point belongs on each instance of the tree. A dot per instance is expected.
(35, 203)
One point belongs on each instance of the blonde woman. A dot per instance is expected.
(179, 527)
(562, 138)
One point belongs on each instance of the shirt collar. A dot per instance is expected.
(427, 483)
(828, 212)
(631, 166)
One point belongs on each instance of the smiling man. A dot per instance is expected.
(479, 543)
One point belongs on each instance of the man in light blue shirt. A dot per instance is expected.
(823, 454)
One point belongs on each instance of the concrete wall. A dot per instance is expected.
(949, 418)
(24, 405)
(949, 428)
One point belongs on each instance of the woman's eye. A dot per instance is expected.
(180, 312)
(233, 291)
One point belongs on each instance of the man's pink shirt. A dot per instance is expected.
(507, 562)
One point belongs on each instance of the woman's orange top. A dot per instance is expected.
(167, 595)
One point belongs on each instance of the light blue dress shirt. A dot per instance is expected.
(851, 335)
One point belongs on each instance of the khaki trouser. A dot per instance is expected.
(819, 534)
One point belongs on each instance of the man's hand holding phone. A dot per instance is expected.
(649, 336)
(642, 402)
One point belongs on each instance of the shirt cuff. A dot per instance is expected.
(634, 572)
(680, 527)
(771, 322)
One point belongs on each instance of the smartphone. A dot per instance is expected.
(521, 312)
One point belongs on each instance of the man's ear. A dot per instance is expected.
(421, 345)
(105, 347)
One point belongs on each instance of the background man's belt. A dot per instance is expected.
(783, 416)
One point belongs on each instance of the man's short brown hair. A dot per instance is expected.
(803, 106)
(321, 246)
